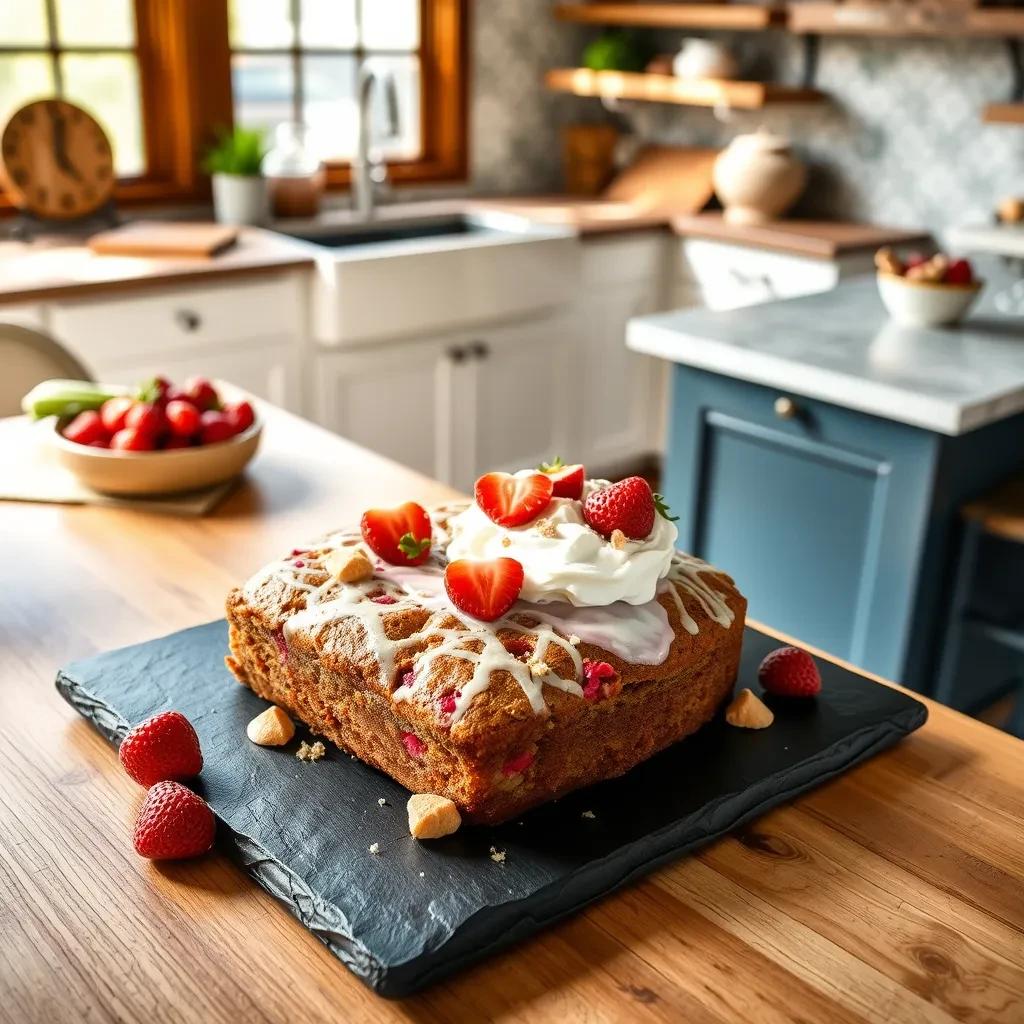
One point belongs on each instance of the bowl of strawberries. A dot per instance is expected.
(926, 291)
(156, 438)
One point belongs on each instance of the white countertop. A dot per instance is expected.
(841, 347)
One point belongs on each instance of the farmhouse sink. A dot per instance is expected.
(427, 269)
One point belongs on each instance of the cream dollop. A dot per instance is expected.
(563, 559)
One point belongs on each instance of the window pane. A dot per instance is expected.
(107, 85)
(22, 23)
(261, 24)
(328, 24)
(391, 24)
(329, 87)
(263, 87)
(23, 78)
(95, 22)
(406, 144)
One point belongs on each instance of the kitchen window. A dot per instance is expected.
(162, 75)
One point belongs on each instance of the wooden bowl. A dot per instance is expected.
(166, 472)
(925, 303)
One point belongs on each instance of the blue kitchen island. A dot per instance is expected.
(819, 453)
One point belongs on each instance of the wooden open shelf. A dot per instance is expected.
(746, 16)
(1004, 113)
(874, 19)
(708, 92)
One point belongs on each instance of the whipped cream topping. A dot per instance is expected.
(563, 559)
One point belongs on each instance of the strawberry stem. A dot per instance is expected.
(411, 547)
(663, 510)
(553, 466)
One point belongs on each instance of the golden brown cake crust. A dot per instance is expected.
(364, 677)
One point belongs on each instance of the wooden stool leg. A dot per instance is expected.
(959, 602)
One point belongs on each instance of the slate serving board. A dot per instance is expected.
(415, 912)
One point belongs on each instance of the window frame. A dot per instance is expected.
(175, 36)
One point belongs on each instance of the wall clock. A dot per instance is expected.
(56, 162)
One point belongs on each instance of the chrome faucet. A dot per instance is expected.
(369, 171)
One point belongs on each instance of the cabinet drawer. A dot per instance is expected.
(178, 319)
(731, 276)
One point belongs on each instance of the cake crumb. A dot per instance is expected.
(423, 874)
(375, 848)
(574, 640)
(547, 528)
(382, 802)
(538, 668)
(506, 542)
(618, 539)
(588, 814)
(498, 856)
(310, 751)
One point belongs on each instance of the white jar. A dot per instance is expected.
(702, 58)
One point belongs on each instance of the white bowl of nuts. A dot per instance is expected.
(925, 291)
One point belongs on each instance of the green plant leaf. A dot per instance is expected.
(238, 151)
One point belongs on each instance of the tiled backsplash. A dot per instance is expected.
(901, 142)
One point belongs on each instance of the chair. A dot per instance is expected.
(28, 356)
(997, 515)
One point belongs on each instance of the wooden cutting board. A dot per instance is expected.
(155, 238)
(666, 178)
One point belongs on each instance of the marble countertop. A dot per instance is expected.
(841, 347)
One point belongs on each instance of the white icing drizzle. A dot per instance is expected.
(640, 634)
(684, 574)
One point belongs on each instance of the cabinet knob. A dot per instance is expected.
(480, 349)
(786, 408)
(188, 320)
(458, 354)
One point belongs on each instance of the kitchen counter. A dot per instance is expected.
(31, 271)
(891, 894)
(841, 346)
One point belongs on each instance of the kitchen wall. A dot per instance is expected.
(902, 141)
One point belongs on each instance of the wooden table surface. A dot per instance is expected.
(894, 893)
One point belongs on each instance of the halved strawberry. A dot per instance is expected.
(513, 500)
(484, 590)
(567, 481)
(399, 535)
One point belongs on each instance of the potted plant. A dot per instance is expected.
(239, 189)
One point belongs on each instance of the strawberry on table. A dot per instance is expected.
(789, 672)
(174, 823)
(513, 500)
(160, 748)
(86, 428)
(484, 590)
(401, 535)
(629, 506)
(566, 481)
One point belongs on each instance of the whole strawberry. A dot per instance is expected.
(629, 506)
(789, 672)
(174, 823)
(162, 747)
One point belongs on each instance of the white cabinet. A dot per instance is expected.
(621, 394)
(250, 332)
(499, 397)
(394, 399)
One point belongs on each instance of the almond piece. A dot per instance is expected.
(618, 539)
(432, 816)
(271, 728)
(349, 565)
(748, 711)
